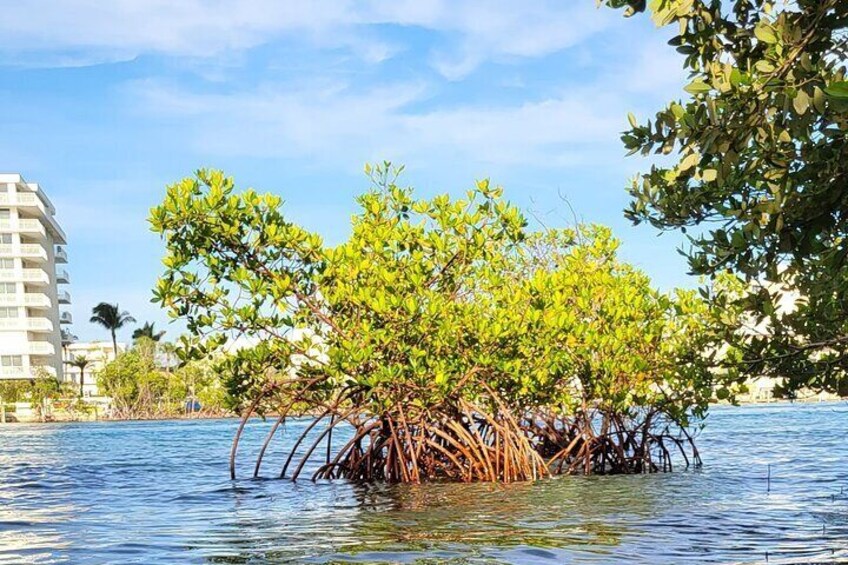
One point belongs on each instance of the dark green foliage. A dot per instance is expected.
(760, 175)
(112, 318)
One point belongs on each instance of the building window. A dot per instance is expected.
(5, 213)
(11, 361)
(9, 312)
(7, 263)
(8, 288)
(5, 239)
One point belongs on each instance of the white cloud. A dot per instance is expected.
(530, 28)
(188, 27)
(78, 31)
(655, 68)
(341, 125)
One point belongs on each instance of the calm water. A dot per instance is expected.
(157, 492)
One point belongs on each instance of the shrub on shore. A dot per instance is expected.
(40, 392)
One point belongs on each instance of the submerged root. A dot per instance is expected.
(469, 442)
(600, 442)
(456, 441)
(469, 445)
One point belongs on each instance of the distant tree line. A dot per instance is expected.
(143, 382)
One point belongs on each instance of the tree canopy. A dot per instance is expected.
(760, 170)
(444, 330)
(148, 330)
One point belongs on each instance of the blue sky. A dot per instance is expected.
(105, 103)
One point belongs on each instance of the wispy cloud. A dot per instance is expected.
(189, 27)
(342, 124)
(76, 32)
(502, 29)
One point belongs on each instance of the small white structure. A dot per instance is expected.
(98, 353)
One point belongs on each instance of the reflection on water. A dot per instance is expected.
(156, 492)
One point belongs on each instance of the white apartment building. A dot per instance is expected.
(32, 257)
(98, 354)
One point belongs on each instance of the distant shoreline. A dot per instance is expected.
(741, 404)
(97, 420)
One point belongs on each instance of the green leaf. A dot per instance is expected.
(801, 102)
(764, 66)
(765, 34)
(819, 100)
(689, 161)
(697, 86)
(837, 90)
(736, 77)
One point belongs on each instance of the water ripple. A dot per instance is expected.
(774, 489)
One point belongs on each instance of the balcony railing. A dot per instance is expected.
(35, 276)
(10, 372)
(33, 251)
(37, 300)
(22, 225)
(11, 323)
(64, 297)
(66, 318)
(29, 225)
(46, 368)
(26, 250)
(61, 255)
(41, 348)
(39, 325)
(27, 324)
(30, 299)
(21, 199)
(62, 276)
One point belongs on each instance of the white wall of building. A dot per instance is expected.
(32, 279)
(98, 353)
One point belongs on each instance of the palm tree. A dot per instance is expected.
(148, 330)
(80, 363)
(110, 317)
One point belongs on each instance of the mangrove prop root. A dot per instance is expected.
(245, 417)
(473, 442)
(598, 442)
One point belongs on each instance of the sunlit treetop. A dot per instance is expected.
(428, 300)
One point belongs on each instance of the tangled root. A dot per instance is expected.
(467, 442)
(468, 446)
(601, 442)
